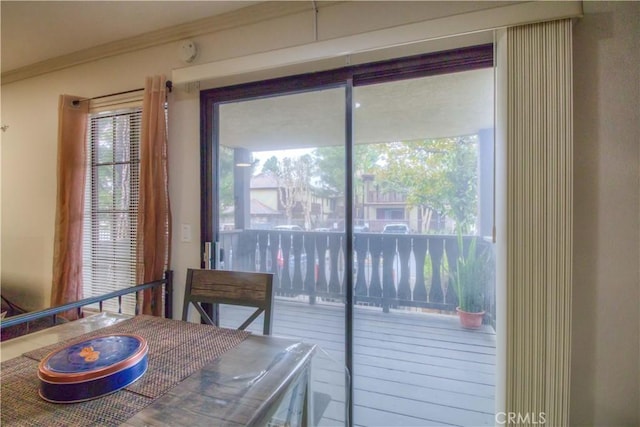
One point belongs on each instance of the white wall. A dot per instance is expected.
(606, 298)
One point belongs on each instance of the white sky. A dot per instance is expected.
(262, 156)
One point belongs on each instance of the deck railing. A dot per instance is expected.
(390, 270)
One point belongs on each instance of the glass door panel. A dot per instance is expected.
(281, 209)
(423, 178)
(420, 203)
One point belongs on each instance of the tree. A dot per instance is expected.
(271, 165)
(462, 175)
(304, 193)
(293, 177)
(331, 165)
(112, 145)
(287, 186)
(436, 176)
(225, 174)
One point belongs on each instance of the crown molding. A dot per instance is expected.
(245, 16)
(477, 21)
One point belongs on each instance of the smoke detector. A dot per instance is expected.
(188, 51)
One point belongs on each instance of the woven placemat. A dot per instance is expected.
(176, 350)
(21, 405)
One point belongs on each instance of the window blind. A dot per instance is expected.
(111, 204)
(539, 221)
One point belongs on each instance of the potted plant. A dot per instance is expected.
(470, 280)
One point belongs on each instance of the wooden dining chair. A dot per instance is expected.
(230, 287)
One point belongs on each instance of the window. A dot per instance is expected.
(390, 213)
(111, 204)
(398, 130)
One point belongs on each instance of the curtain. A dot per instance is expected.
(71, 174)
(154, 219)
(539, 220)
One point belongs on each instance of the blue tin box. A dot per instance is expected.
(93, 368)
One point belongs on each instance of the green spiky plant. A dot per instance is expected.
(471, 276)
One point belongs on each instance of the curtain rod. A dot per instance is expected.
(168, 84)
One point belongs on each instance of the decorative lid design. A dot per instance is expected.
(94, 358)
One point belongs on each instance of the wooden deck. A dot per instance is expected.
(410, 369)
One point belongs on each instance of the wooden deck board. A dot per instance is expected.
(410, 369)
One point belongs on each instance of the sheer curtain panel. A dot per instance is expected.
(154, 218)
(67, 245)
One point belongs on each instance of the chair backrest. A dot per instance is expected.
(230, 287)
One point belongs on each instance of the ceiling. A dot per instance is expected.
(447, 105)
(34, 31)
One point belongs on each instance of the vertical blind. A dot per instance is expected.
(111, 204)
(539, 221)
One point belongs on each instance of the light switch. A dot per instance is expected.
(186, 232)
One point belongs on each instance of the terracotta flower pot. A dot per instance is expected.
(470, 320)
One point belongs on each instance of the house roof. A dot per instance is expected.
(264, 180)
(259, 208)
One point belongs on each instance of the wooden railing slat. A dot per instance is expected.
(420, 254)
(375, 249)
(312, 264)
(436, 249)
(404, 252)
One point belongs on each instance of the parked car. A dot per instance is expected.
(396, 229)
(288, 228)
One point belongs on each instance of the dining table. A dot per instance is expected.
(197, 375)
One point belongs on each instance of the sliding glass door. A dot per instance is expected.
(279, 185)
(364, 191)
(423, 170)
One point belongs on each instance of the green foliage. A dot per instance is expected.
(428, 270)
(225, 168)
(437, 175)
(294, 177)
(462, 175)
(331, 164)
(471, 276)
(271, 165)
(114, 156)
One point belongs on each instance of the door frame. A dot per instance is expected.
(445, 62)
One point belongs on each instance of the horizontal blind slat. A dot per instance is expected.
(111, 205)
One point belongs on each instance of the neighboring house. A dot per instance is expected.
(380, 208)
(264, 189)
(263, 216)
(267, 209)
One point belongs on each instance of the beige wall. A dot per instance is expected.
(606, 298)
(606, 314)
(29, 152)
(29, 160)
